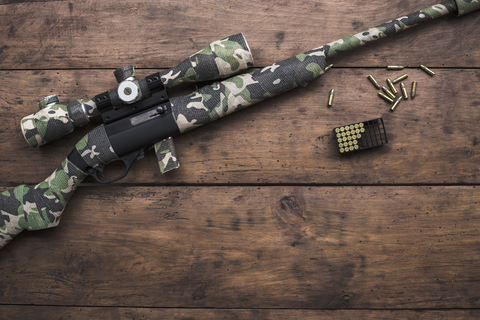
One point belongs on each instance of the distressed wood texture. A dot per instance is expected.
(287, 139)
(253, 247)
(264, 219)
(54, 313)
(156, 34)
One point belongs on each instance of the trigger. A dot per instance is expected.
(141, 155)
(127, 160)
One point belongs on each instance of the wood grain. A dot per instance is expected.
(117, 313)
(263, 219)
(287, 139)
(253, 247)
(105, 34)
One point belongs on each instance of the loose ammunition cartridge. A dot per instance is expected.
(396, 103)
(414, 89)
(388, 92)
(330, 98)
(394, 67)
(427, 70)
(387, 98)
(405, 76)
(392, 87)
(328, 67)
(404, 91)
(375, 83)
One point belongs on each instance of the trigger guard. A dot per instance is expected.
(127, 160)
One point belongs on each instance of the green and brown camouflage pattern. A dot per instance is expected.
(95, 148)
(39, 206)
(46, 125)
(466, 6)
(389, 28)
(166, 155)
(222, 98)
(54, 122)
(220, 59)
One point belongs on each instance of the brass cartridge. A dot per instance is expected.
(396, 103)
(375, 83)
(388, 92)
(404, 91)
(392, 86)
(427, 70)
(394, 67)
(414, 89)
(330, 98)
(405, 76)
(387, 98)
(328, 67)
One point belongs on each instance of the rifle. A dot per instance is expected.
(140, 122)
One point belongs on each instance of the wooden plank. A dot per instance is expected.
(248, 247)
(287, 139)
(160, 34)
(3, 2)
(116, 313)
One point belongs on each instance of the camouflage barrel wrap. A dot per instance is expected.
(38, 206)
(220, 59)
(222, 98)
(466, 6)
(389, 28)
(56, 121)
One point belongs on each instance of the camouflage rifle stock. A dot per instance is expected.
(41, 206)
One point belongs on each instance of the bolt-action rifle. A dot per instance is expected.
(140, 114)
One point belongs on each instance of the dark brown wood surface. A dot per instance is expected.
(263, 219)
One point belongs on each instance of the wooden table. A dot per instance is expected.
(264, 219)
